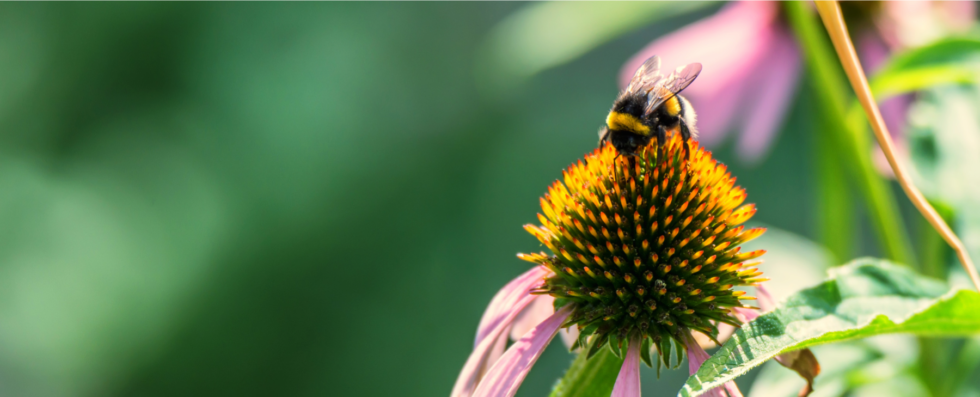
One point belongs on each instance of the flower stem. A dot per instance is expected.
(589, 377)
(831, 14)
(854, 148)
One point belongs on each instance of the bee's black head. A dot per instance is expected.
(632, 104)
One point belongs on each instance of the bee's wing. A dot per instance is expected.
(667, 87)
(646, 76)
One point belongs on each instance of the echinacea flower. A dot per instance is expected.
(754, 62)
(644, 251)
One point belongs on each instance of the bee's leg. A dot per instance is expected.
(661, 140)
(685, 134)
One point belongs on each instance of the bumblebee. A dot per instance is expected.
(650, 106)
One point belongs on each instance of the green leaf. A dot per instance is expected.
(943, 52)
(949, 61)
(864, 298)
(541, 36)
(903, 81)
(645, 352)
(588, 377)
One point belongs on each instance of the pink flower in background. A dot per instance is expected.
(752, 63)
(907, 24)
(751, 67)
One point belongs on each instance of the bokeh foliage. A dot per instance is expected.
(292, 199)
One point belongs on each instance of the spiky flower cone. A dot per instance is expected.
(646, 248)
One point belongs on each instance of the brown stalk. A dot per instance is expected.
(830, 13)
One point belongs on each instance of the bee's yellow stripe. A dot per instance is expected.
(626, 122)
(672, 106)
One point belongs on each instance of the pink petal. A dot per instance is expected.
(502, 304)
(532, 315)
(732, 389)
(872, 50)
(773, 89)
(508, 373)
(745, 315)
(628, 381)
(499, 316)
(538, 311)
(696, 356)
(958, 15)
(481, 356)
(766, 304)
(729, 45)
(493, 355)
(762, 295)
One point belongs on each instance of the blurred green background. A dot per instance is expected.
(298, 199)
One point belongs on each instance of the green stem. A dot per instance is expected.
(935, 363)
(835, 210)
(964, 363)
(935, 253)
(588, 377)
(852, 140)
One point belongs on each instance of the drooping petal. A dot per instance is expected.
(479, 359)
(697, 356)
(532, 315)
(730, 45)
(762, 295)
(499, 316)
(801, 361)
(493, 355)
(503, 302)
(628, 381)
(732, 389)
(745, 315)
(507, 374)
(773, 89)
(538, 311)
